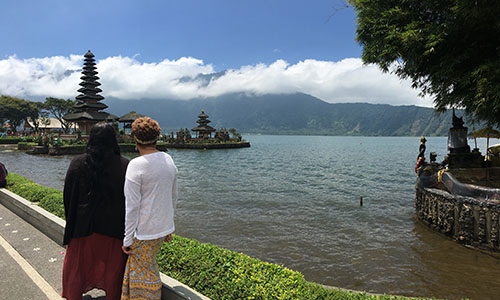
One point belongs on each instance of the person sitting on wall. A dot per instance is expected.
(420, 163)
(3, 175)
(427, 176)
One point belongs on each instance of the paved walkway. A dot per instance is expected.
(30, 262)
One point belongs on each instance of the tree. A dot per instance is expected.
(450, 49)
(236, 134)
(17, 110)
(42, 116)
(59, 108)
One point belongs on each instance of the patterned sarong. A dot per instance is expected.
(142, 277)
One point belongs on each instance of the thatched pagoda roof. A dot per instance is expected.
(87, 115)
(90, 105)
(203, 128)
(130, 117)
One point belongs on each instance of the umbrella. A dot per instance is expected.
(487, 133)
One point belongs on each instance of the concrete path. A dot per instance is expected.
(30, 262)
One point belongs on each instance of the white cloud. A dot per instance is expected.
(127, 78)
(49, 76)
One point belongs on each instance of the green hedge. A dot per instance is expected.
(14, 139)
(28, 189)
(54, 204)
(9, 140)
(73, 146)
(213, 271)
(26, 145)
(222, 274)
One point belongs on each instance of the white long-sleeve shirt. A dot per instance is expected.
(151, 196)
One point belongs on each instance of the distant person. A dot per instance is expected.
(94, 206)
(421, 148)
(3, 175)
(151, 197)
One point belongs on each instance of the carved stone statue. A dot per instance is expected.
(457, 136)
(458, 123)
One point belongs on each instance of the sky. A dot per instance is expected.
(158, 48)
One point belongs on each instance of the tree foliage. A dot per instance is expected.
(16, 110)
(450, 49)
(59, 108)
(42, 118)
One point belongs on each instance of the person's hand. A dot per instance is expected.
(168, 238)
(127, 250)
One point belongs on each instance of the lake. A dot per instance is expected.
(294, 200)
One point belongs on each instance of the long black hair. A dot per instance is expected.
(102, 146)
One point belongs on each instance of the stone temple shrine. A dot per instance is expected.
(88, 108)
(203, 130)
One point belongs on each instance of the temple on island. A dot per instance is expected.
(203, 130)
(88, 108)
(222, 139)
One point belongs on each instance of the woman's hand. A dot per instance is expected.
(168, 238)
(127, 250)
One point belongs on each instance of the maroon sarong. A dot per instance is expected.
(96, 261)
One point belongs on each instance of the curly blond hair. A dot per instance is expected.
(146, 131)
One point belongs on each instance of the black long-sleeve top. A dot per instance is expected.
(103, 213)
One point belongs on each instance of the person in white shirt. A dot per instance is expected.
(150, 200)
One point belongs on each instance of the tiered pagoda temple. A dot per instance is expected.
(203, 131)
(88, 108)
(203, 140)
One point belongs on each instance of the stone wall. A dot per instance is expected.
(464, 219)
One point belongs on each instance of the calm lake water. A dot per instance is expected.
(294, 200)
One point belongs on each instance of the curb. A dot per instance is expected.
(53, 227)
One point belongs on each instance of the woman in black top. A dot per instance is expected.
(94, 206)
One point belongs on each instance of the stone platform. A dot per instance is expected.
(465, 219)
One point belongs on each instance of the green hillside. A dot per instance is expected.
(291, 114)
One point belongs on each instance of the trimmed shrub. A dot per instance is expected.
(74, 146)
(14, 179)
(14, 139)
(224, 274)
(26, 145)
(28, 189)
(53, 203)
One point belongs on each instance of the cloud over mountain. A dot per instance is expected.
(186, 78)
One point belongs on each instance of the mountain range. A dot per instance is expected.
(289, 114)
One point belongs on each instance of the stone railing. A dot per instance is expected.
(467, 220)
